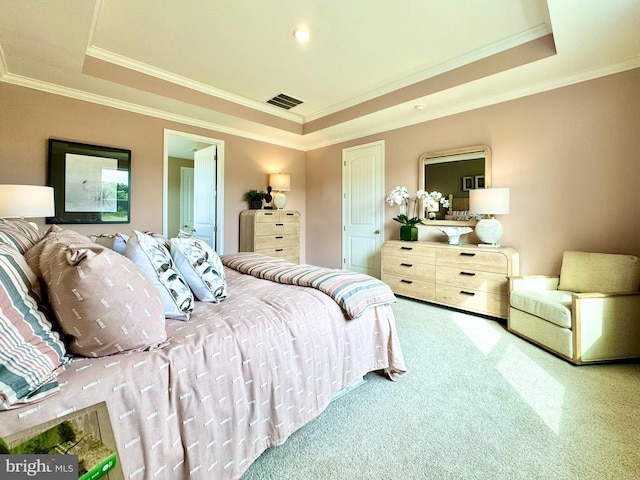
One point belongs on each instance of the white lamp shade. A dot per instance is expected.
(26, 201)
(280, 182)
(489, 201)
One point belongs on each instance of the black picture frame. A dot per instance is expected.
(467, 183)
(479, 181)
(92, 183)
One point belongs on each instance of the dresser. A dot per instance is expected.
(271, 232)
(467, 277)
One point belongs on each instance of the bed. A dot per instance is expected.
(238, 377)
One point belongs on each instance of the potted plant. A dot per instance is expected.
(255, 197)
(400, 196)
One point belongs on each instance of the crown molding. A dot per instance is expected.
(534, 33)
(139, 109)
(328, 140)
(128, 63)
(429, 115)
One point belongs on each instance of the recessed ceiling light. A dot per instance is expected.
(302, 34)
(419, 106)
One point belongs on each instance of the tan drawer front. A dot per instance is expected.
(407, 270)
(474, 280)
(411, 288)
(277, 241)
(409, 250)
(475, 260)
(276, 216)
(286, 251)
(483, 302)
(278, 228)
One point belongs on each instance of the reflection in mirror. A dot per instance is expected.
(453, 173)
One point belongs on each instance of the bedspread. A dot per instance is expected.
(354, 292)
(238, 378)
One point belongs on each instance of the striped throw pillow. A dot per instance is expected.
(31, 353)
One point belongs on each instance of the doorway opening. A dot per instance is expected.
(179, 151)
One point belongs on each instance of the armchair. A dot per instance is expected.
(589, 313)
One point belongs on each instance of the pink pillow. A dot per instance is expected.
(100, 298)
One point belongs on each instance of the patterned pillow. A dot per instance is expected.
(201, 267)
(116, 242)
(155, 261)
(101, 299)
(31, 353)
(18, 233)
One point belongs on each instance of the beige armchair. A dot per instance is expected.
(590, 313)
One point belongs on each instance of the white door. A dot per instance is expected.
(204, 188)
(186, 199)
(363, 207)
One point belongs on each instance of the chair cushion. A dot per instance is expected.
(584, 272)
(551, 305)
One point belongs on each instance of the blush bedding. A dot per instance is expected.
(237, 378)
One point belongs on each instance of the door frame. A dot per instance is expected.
(219, 210)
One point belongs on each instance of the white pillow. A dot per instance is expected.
(155, 261)
(201, 267)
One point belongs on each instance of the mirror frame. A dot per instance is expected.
(444, 156)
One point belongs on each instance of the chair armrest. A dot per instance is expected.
(607, 325)
(534, 282)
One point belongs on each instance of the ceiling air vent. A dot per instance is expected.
(284, 101)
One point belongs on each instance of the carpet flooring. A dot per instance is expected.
(476, 403)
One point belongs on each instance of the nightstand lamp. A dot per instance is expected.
(280, 182)
(26, 201)
(489, 202)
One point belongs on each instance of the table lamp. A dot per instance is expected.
(26, 201)
(489, 201)
(280, 182)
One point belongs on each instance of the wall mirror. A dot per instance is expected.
(453, 173)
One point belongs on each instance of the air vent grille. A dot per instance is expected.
(284, 101)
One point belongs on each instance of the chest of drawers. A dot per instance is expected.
(466, 277)
(271, 232)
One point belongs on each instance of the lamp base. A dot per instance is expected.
(280, 200)
(489, 231)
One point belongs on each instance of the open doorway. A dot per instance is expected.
(179, 153)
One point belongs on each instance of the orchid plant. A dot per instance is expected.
(400, 196)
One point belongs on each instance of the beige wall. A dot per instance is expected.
(571, 158)
(31, 117)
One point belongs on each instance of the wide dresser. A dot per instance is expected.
(271, 232)
(467, 277)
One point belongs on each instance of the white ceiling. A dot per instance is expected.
(240, 53)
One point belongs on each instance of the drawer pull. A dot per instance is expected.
(278, 237)
(406, 265)
(279, 224)
(467, 254)
(279, 249)
(406, 248)
(468, 274)
(462, 292)
(405, 281)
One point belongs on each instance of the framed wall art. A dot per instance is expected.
(91, 183)
(479, 181)
(467, 183)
